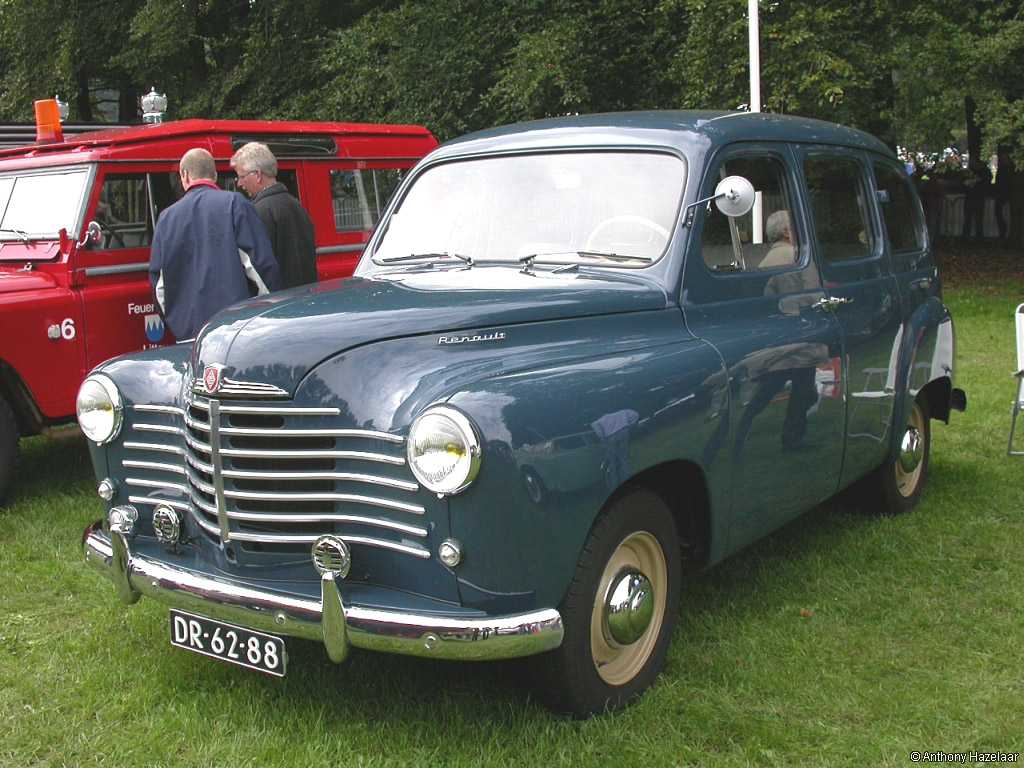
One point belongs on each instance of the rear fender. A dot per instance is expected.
(926, 359)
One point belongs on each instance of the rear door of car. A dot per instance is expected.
(862, 294)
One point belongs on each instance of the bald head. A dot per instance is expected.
(196, 164)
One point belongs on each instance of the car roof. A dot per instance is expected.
(675, 128)
(115, 139)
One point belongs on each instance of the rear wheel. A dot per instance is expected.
(8, 446)
(895, 487)
(619, 612)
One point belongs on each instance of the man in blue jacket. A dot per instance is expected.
(210, 250)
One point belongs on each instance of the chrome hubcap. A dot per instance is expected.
(909, 464)
(628, 608)
(911, 450)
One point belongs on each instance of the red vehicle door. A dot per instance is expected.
(120, 312)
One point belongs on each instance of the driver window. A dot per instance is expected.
(122, 212)
(763, 239)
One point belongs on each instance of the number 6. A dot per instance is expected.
(67, 329)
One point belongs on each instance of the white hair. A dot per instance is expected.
(778, 227)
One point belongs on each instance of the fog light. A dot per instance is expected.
(331, 555)
(450, 552)
(167, 524)
(122, 519)
(106, 489)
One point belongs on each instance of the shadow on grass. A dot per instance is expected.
(57, 461)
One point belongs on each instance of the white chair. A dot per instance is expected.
(1018, 401)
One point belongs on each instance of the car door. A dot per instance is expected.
(120, 312)
(754, 293)
(862, 293)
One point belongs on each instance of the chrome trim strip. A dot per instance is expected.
(361, 433)
(258, 517)
(246, 453)
(142, 483)
(210, 528)
(154, 447)
(352, 248)
(232, 388)
(118, 269)
(182, 505)
(207, 468)
(350, 498)
(272, 410)
(155, 465)
(246, 474)
(163, 428)
(208, 508)
(302, 538)
(159, 409)
(218, 481)
(433, 635)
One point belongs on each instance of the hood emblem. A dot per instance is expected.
(211, 377)
(214, 382)
(469, 338)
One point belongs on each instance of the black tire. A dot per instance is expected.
(591, 672)
(892, 489)
(8, 447)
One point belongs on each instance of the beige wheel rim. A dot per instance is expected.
(907, 482)
(616, 663)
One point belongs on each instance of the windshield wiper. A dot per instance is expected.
(421, 256)
(528, 261)
(22, 235)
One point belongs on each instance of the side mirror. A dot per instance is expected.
(93, 234)
(734, 196)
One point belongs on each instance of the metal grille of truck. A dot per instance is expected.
(274, 477)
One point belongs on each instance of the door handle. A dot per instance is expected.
(831, 303)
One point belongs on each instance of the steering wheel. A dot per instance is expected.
(654, 230)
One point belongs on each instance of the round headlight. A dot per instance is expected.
(99, 408)
(444, 450)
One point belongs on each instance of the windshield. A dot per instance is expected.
(565, 207)
(40, 204)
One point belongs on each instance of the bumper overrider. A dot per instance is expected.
(337, 625)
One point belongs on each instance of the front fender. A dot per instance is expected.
(558, 442)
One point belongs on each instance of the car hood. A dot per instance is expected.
(12, 282)
(277, 339)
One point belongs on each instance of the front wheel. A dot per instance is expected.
(8, 446)
(895, 487)
(619, 611)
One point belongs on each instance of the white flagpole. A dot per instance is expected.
(755, 58)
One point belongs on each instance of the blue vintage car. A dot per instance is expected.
(579, 358)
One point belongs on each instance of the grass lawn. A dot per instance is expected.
(840, 640)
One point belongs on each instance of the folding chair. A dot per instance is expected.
(1018, 401)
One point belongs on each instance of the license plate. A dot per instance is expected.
(235, 645)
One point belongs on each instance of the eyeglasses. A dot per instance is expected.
(241, 176)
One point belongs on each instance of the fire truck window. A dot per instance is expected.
(360, 197)
(122, 212)
(227, 180)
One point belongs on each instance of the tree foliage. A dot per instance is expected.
(904, 71)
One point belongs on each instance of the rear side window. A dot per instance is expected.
(904, 224)
(764, 238)
(359, 197)
(839, 207)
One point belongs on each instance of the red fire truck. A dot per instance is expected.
(77, 218)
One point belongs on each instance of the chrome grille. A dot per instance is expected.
(270, 475)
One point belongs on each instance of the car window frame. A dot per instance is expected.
(878, 251)
(781, 151)
(903, 256)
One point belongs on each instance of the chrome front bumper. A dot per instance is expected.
(329, 620)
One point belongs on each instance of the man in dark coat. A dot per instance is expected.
(288, 225)
(209, 250)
